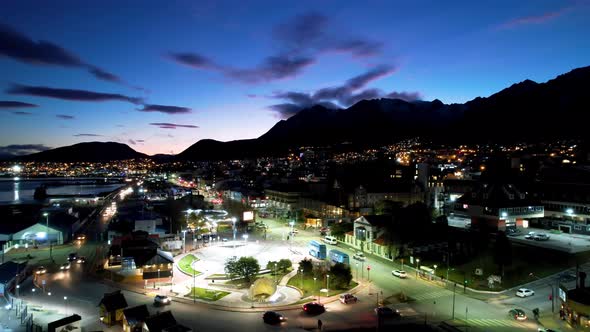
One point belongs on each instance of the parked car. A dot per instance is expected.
(65, 266)
(359, 256)
(517, 314)
(40, 270)
(330, 240)
(513, 232)
(72, 257)
(530, 235)
(314, 308)
(387, 312)
(399, 273)
(524, 292)
(273, 318)
(81, 260)
(541, 237)
(348, 298)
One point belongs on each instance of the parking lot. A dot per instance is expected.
(571, 243)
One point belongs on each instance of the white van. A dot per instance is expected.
(330, 240)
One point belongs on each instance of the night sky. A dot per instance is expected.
(162, 75)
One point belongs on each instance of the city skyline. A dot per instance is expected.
(160, 79)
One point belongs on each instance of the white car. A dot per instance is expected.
(399, 273)
(530, 235)
(359, 256)
(524, 292)
(161, 300)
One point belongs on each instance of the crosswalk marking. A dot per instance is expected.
(432, 295)
(492, 322)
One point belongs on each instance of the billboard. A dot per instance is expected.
(248, 216)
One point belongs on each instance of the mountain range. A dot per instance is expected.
(88, 151)
(526, 111)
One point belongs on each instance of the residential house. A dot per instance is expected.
(133, 318)
(111, 308)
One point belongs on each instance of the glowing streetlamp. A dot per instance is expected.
(46, 215)
(184, 240)
(435, 266)
(66, 304)
(328, 284)
(417, 266)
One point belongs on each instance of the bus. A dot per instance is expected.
(317, 250)
(338, 256)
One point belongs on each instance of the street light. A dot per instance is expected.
(417, 266)
(275, 272)
(301, 278)
(233, 221)
(328, 284)
(158, 276)
(17, 290)
(184, 240)
(66, 304)
(435, 266)
(314, 288)
(46, 215)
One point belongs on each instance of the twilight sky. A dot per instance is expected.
(160, 76)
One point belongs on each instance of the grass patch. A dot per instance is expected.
(311, 287)
(206, 294)
(185, 265)
(546, 262)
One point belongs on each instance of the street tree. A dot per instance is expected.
(341, 228)
(284, 264)
(244, 267)
(340, 276)
(307, 266)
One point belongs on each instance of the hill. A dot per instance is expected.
(89, 151)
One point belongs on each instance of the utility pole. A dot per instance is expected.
(454, 287)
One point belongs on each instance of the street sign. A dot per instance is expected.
(369, 268)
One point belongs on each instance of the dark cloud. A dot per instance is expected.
(193, 60)
(286, 110)
(273, 68)
(299, 42)
(351, 92)
(302, 31)
(21, 113)
(87, 135)
(10, 104)
(166, 125)
(407, 96)
(540, 18)
(104, 75)
(69, 94)
(18, 46)
(65, 117)
(165, 109)
(132, 142)
(14, 150)
(140, 141)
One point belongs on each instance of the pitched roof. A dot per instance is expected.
(496, 195)
(136, 314)
(113, 301)
(378, 220)
(160, 321)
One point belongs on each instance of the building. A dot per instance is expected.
(565, 195)
(111, 308)
(364, 198)
(69, 323)
(139, 255)
(134, 318)
(575, 304)
(498, 206)
(284, 196)
(38, 234)
(368, 235)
